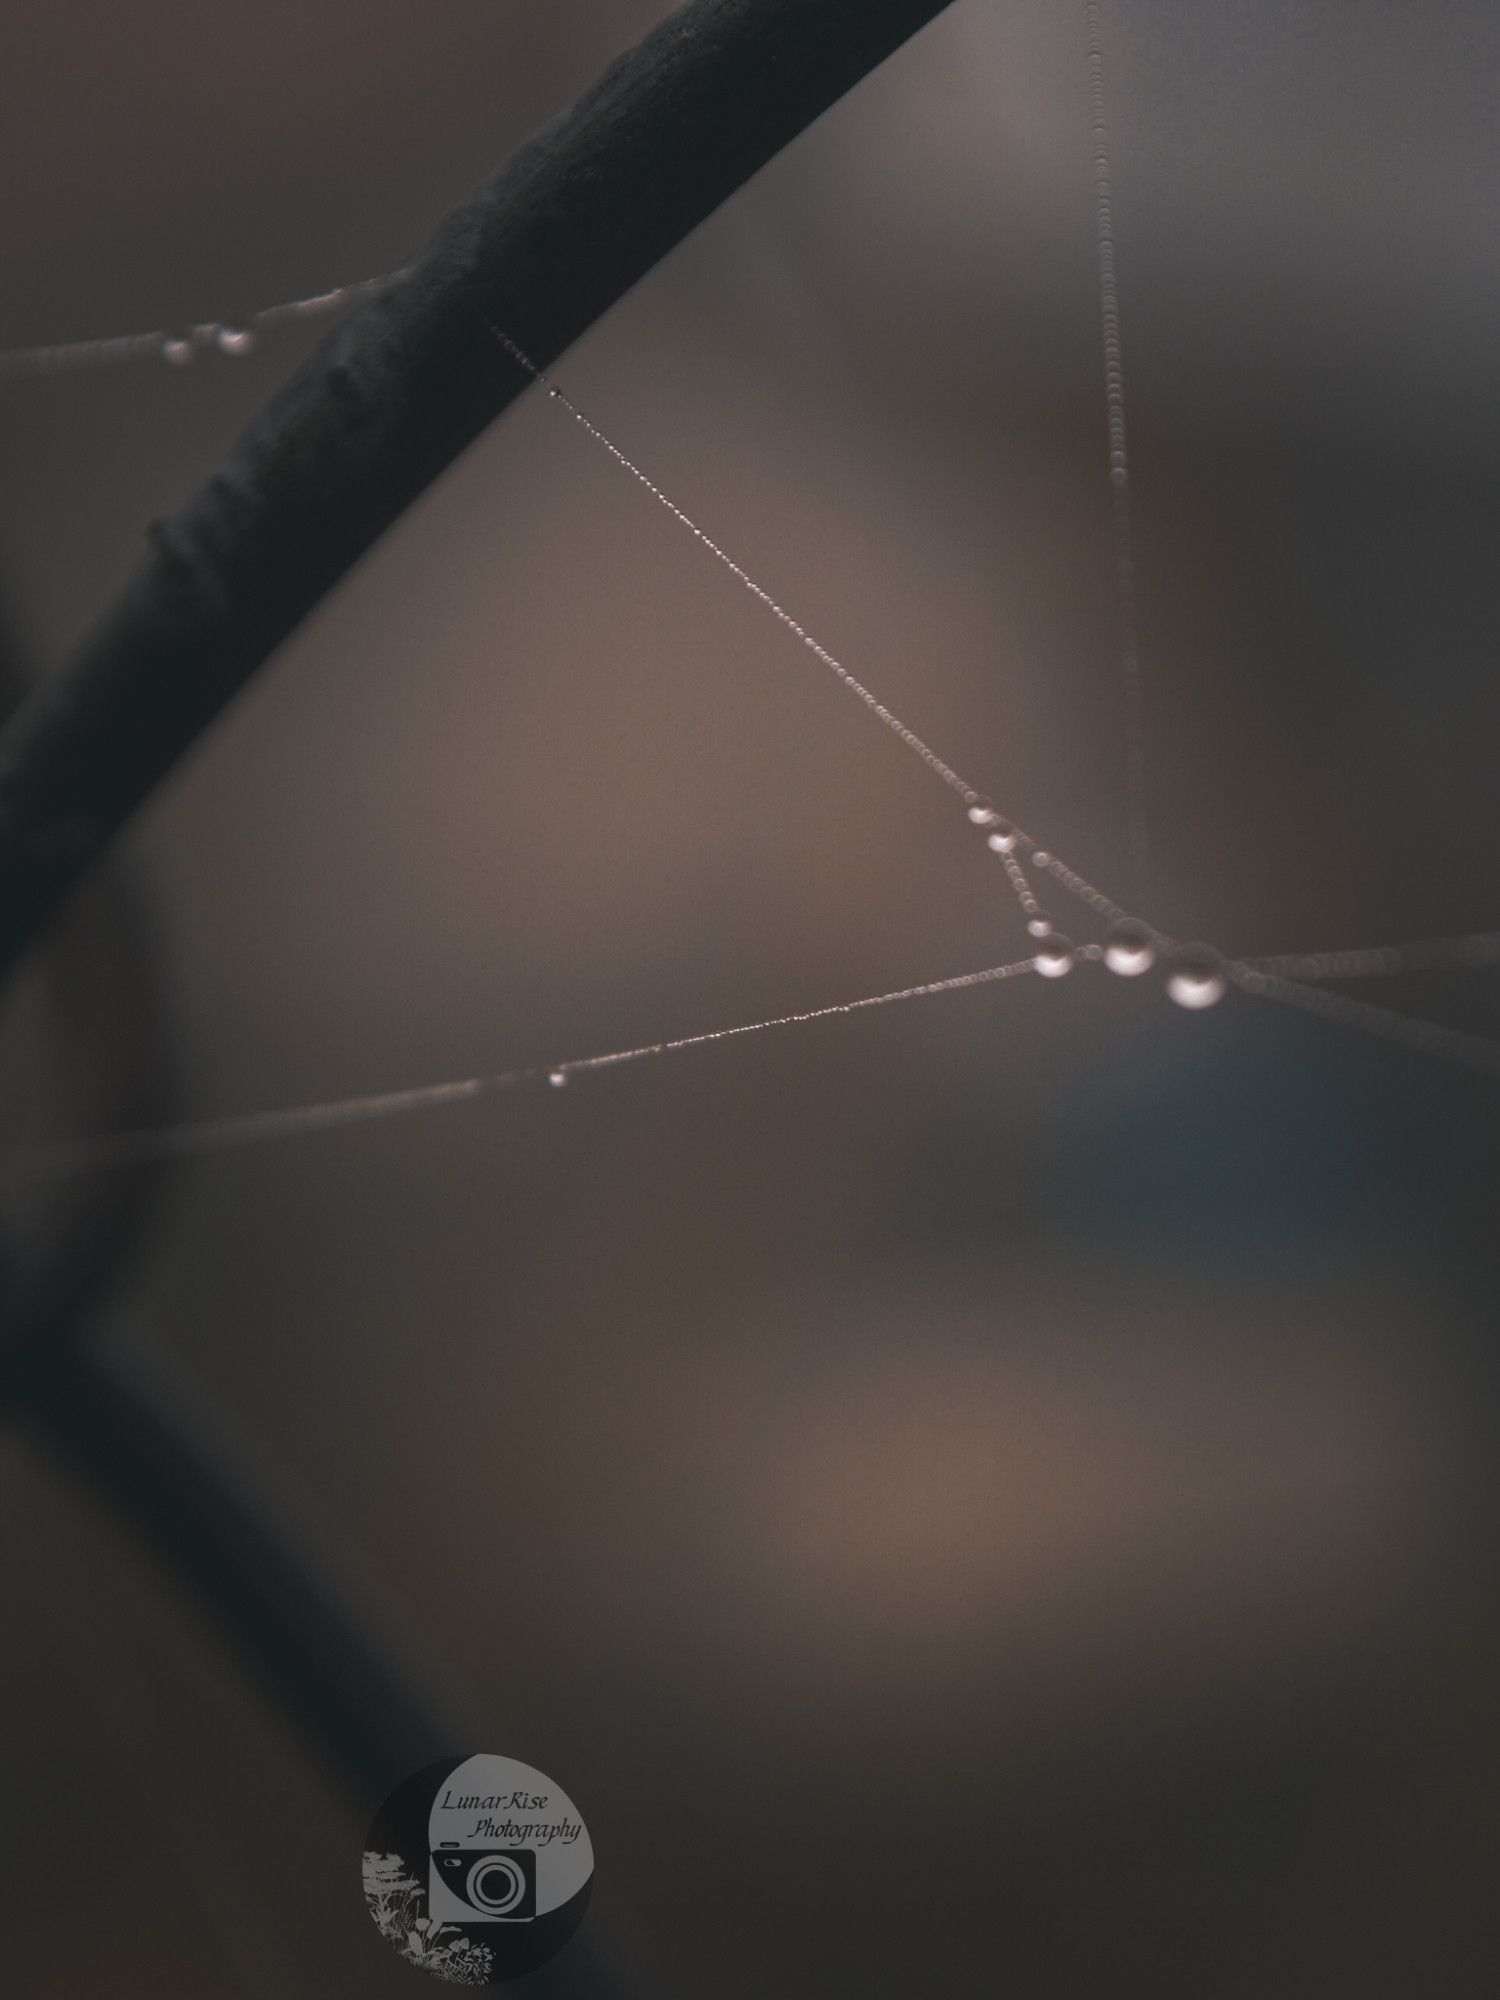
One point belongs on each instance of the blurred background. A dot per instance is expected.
(991, 1494)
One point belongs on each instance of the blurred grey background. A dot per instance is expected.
(994, 1494)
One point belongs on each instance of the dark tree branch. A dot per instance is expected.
(107, 1056)
(171, 1469)
(402, 386)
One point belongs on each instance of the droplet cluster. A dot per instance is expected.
(180, 347)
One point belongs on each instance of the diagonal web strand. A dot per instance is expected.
(212, 1135)
(979, 806)
(1406, 1030)
(1383, 961)
(820, 652)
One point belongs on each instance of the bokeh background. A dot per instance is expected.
(989, 1495)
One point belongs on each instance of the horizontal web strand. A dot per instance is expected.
(1450, 954)
(210, 1135)
(1408, 1031)
(63, 356)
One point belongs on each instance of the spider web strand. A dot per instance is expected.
(63, 356)
(1406, 1030)
(1450, 954)
(1119, 457)
(943, 769)
(210, 1135)
(820, 652)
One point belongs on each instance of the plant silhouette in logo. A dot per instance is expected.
(398, 1903)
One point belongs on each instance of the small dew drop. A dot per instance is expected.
(982, 813)
(1194, 977)
(1039, 926)
(1119, 475)
(1129, 948)
(1040, 857)
(558, 1078)
(1054, 958)
(234, 339)
(176, 350)
(1003, 840)
(553, 390)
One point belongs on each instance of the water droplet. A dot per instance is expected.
(982, 813)
(176, 349)
(1003, 839)
(1039, 926)
(234, 339)
(1195, 977)
(1040, 857)
(1129, 948)
(553, 390)
(1054, 958)
(558, 1078)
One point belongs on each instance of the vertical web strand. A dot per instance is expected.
(1119, 456)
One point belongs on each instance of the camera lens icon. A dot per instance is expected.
(497, 1884)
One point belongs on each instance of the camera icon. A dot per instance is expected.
(493, 1885)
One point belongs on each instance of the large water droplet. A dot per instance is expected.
(176, 349)
(558, 1078)
(1195, 977)
(982, 813)
(234, 339)
(1129, 948)
(1003, 839)
(1054, 957)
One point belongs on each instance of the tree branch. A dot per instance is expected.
(585, 209)
(258, 1567)
(106, 1046)
(175, 1472)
